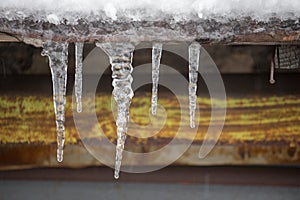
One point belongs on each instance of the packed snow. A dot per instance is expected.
(55, 11)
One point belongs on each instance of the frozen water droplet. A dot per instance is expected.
(156, 57)
(194, 56)
(272, 71)
(274, 63)
(78, 74)
(58, 63)
(120, 56)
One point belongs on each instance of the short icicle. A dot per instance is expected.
(272, 71)
(120, 56)
(156, 57)
(194, 56)
(58, 63)
(78, 74)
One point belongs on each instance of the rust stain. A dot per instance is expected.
(291, 38)
(276, 119)
(260, 129)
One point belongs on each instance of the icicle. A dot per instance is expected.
(58, 63)
(156, 56)
(194, 54)
(78, 74)
(120, 56)
(272, 69)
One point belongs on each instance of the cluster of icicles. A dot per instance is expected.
(120, 56)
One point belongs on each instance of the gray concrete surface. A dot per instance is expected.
(128, 191)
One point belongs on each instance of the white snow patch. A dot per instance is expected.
(145, 9)
(110, 11)
(52, 18)
(259, 30)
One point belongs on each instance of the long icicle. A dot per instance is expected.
(156, 57)
(78, 74)
(194, 56)
(58, 63)
(120, 56)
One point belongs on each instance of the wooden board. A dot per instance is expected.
(206, 31)
(7, 38)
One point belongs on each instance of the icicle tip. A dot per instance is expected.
(272, 81)
(116, 176)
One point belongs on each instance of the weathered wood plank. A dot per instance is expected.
(7, 38)
(206, 31)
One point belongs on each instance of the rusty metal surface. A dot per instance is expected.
(206, 31)
(262, 126)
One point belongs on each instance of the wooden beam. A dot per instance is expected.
(206, 31)
(8, 38)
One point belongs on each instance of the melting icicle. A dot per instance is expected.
(194, 54)
(78, 75)
(58, 63)
(272, 70)
(156, 56)
(120, 56)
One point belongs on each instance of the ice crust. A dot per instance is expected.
(55, 11)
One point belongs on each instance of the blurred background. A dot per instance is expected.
(257, 156)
